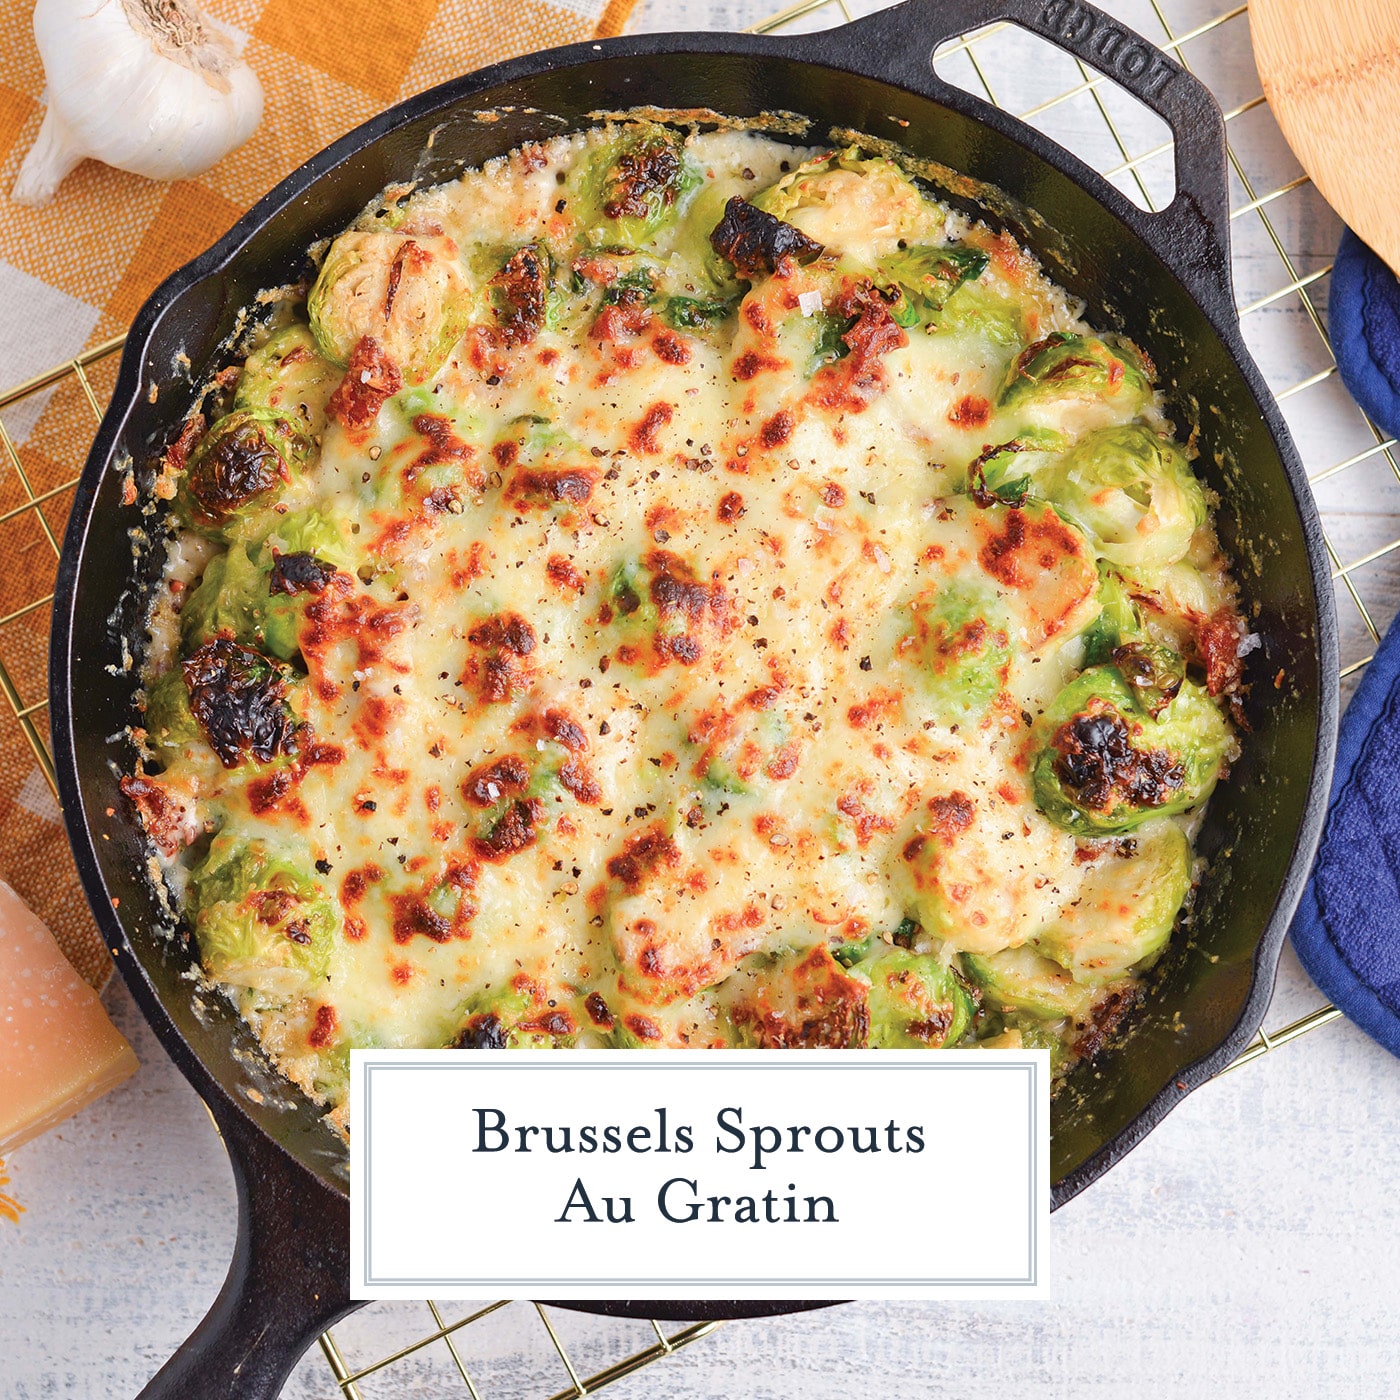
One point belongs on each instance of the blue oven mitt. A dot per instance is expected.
(1347, 929)
(1363, 319)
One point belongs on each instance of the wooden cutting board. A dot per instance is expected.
(1331, 73)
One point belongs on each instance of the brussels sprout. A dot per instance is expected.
(239, 699)
(520, 293)
(1075, 366)
(233, 600)
(263, 921)
(963, 649)
(1134, 493)
(310, 532)
(288, 377)
(983, 311)
(662, 598)
(1010, 470)
(168, 721)
(1020, 979)
(850, 202)
(916, 1000)
(523, 1018)
(1117, 621)
(927, 277)
(409, 294)
(1126, 908)
(240, 465)
(1105, 766)
(632, 186)
(1154, 672)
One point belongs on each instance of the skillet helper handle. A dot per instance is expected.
(287, 1282)
(1192, 233)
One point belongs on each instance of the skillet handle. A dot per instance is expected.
(287, 1282)
(1191, 234)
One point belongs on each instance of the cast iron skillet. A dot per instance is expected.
(1164, 278)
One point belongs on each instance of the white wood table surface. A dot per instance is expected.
(1246, 1249)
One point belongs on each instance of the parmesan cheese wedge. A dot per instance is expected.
(58, 1049)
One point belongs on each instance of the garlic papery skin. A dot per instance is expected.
(155, 87)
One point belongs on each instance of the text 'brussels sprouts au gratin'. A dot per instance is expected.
(665, 590)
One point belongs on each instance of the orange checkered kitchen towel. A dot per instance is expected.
(74, 274)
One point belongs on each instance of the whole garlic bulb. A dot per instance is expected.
(150, 86)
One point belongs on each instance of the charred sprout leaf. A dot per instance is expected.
(754, 241)
(1154, 672)
(1074, 366)
(519, 293)
(239, 699)
(634, 288)
(1127, 908)
(633, 185)
(1009, 471)
(1104, 768)
(1134, 493)
(247, 455)
(299, 573)
(264, 922)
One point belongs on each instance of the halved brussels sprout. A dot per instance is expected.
(916, 1000)
(1011, 470)
(1126, 908)
(288, 377)
(263, 922)
(523, 1018)
(1020, 979)
(1075, 366)
(632, 186)
(408, 293)
(926, 278)
(233, 600)
(851, 203)
(519, 294)
(1106, 765)
(241, 465)
(1133, 492)
(963, 649)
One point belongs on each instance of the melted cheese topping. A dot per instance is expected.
(652, 649)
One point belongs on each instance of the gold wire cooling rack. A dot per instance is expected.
(1278, 227)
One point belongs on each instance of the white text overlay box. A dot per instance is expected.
(820, 1174)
